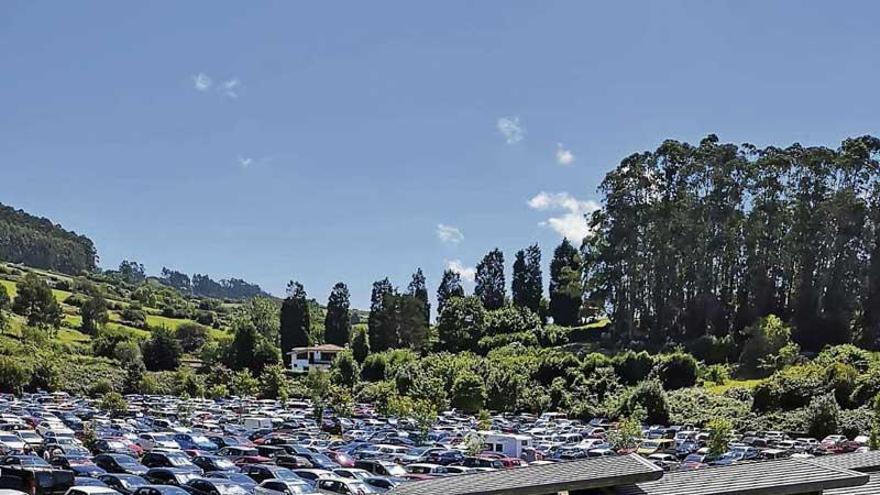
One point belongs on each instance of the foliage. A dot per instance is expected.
(450, 287)
(192, 336)
(40, 243)
(489, 280)
(360, 344)
(720, 431)
(337, 322)
(243, 384)
(527, 286)
(822, 416)
(114, 403)
(36, 302)
(295, 319)
(650, 397)
(468, 392)
(628, 433)
(768, 348)
(162, 351)
(676, 370)
(633, 367)
(461, 325)
(346, 371)
(14, 375)
(566, 285)
(273, 383)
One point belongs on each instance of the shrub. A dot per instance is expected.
(790, 388)
(677, 370)
(822, 416)
(633, 367)
(191, 336)
(374, 367)
(162, 351)
(14, 375)
(554, 364)
(490, 342)
(360, 343)
(649, 397)
(346, 371)
(100, 388)
(768, 348)
(713, 350)
(468, 393)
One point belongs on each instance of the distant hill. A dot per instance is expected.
(37, 242)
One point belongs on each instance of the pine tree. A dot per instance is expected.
(295, 320)
(450, 287)
(337, 323)
(566, 289)
(490, 284)
(527, 286)
(381, 324)
(418, 289)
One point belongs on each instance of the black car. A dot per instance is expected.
(214, 486)
(169, 476)
(81, 466)
(120, 463)
(125, 484)
(170, 459)
(210, 463)
(445, 457)
(262, 472)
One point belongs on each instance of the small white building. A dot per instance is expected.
(302, 359)
(508, 444)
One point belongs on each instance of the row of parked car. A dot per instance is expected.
(55, 444)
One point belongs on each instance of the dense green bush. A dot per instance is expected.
(676, 370)
(647, 396)
(633, 367)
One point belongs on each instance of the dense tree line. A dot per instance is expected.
(39, 243)
(204, 286)
(705, 240)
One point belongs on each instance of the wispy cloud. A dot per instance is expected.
(229, 88)
(512, 130)
(572, 223)
(564, 156)
(468, 273)
(245, 161)
(202, 82)
(449, 234)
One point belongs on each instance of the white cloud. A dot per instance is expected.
(511, 129)
(449, 234)
(245, 161)
(201, 82)
(230, 87)
(564, 156)
(572, 223)
(467, 272)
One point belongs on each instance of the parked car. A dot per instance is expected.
(215, 486)
(169, 458)
(120, 463)
(169, 476)
(125, 484)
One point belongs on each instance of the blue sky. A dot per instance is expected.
(328, 141)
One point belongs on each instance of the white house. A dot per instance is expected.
(302, 359)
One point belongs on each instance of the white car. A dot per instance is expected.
(150, 441)
(352, 473)
(56, 428)
(91, 490)
(278, 487)
(345, 487)
(11, 443)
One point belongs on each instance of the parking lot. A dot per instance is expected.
(55, 443)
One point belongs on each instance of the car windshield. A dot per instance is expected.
(9, 438)
(182, 478)
(299, 488)
(285, 475)
(178, 460)
(241, 479)
(115, 444)
(132, 481)
(395, 470)
(230, 489)
(33, 461)
(224, 463)
(361, 487)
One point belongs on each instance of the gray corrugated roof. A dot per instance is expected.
(540, 480)
(786, 477)
(862, 461)
(872, 488)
